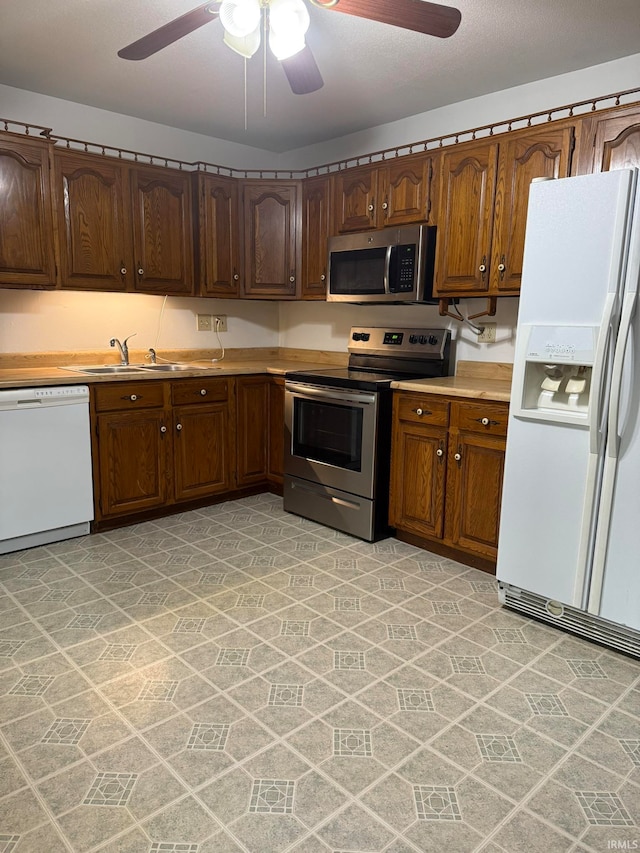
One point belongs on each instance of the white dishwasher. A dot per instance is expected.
(46, 491)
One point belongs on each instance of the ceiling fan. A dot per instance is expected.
(288, 23)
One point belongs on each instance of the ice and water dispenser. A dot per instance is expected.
(556, 364)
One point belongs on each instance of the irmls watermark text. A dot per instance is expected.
(623, 844)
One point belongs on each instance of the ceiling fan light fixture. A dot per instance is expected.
(288, 23)
(284, 47)
(240, 18)
(244, 45)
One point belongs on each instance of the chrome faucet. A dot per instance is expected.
(122, 348)
(152, 355)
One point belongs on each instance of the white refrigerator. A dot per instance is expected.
(569, 544)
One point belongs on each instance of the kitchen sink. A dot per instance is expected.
(172, 368)
(105, 369)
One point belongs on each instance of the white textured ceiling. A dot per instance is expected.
(373, 73)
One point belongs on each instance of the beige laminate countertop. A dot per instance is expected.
(22, 373)
(475, 380)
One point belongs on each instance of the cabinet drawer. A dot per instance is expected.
(204, 390)
(129, 395)
(422, 409)
(481, 417)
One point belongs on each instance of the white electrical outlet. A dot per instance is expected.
(488, 335)
(220, 322)
(204, 322)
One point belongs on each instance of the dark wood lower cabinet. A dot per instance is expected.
(158, 445)
(447, 468)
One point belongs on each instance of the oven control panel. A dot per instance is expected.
(403, 343)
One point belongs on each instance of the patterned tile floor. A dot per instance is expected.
(239, 679)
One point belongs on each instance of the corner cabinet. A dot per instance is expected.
(27, 236)
(272, 238)
(397, 192)
(219, 236)
(446, 474)
(484, 193)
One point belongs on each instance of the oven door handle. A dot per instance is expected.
(330, 394)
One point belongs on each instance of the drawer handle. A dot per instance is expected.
(487, 422)
(132, 397)
(179, 427)
(421, 412)
(203, 392)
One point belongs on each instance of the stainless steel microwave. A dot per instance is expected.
(390, 265)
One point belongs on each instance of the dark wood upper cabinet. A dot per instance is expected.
(27, 236)
(484, 193)
(162, 230)
(219, 236)
(465, 218)
(94, 224)
(611, 141)
(397, 192)
(315, 234)
(272, 238)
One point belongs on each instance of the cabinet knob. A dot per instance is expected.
(421, 412)
(163, 429)
(123, 269)
(486, 421)
(292, 278)
(140, 271)
(179, 427)
(483, 268)
(133, 398)
(439, 452)
(323, 277)
(457, 456)
(236, 276)
(502, 266)
(370, 208)
(203, 392)
(385, 205)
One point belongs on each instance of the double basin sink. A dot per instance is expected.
(120, 369)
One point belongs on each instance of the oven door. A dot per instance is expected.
(330, 436)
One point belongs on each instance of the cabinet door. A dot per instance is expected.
(406, 190)
(219, 238)
(272, 238)
(94, 225)
(275, 470)
(544, 153)
(616, 142)
(162, 228)
(355, 198)
(133, 452)
(27, 254)
(252, 397)
(474, 491)
(465, 219)
(418, 479)
(315, 233)
(201, 450)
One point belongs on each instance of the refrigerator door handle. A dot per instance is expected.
(584, 559)
(611, 459)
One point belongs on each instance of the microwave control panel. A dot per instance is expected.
(402, 273)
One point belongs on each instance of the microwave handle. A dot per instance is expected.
(387, 268)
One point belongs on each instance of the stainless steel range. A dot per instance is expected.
(338, 427)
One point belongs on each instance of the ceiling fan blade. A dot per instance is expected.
(302, 72)
(418, 15)
(168, 33)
